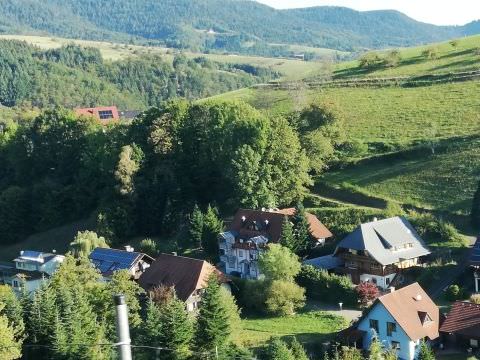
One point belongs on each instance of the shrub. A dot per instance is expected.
(430, 53)
(453, 293)
(149, 246)
(370, 60)
(475, 298)
(325, 287)
(284, 298)
(367, 292)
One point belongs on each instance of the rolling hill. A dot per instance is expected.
(419, 138)
(221, 25)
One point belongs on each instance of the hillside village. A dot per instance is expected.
(234, 190)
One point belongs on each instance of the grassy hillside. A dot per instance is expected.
(290, 69)
(444, 116)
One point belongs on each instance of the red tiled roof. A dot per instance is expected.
(270, 224)
(185, 274)
(463, 318)
(95, 112)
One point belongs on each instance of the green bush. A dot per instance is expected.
(325, 287)
(454, 292)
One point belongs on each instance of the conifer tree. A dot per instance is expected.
(10, 347)
(298, 350)
(176, 330)
(212, 227)
(278, 350)
(12, 310)
(288, 235)
(425, 352)
(302, 229)
(213, 328)
(195, 230)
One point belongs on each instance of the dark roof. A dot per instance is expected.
(269, 223)
(475, 257)
(110, 260)
(386, 240)
(463, 318)
(327, 262)
(129, 114)
(185, 274)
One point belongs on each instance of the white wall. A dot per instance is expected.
(380, 313)
(381, 281)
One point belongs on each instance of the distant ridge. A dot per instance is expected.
(222, 25)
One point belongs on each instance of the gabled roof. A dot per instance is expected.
(109, 260)
(185, 274)
(475, 257)
(327, 262)
(463, 319)
(388, 241)
(104, 114)
(410, 307)
(269, 224)
(35, 256)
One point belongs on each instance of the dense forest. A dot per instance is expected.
(237, 25)
(73, 76)
(145, 177)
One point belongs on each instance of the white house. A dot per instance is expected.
(31, 268)
(400, 320)
(251, 231)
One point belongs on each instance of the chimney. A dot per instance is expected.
(375, 219)
(128, 248)
(54, 251)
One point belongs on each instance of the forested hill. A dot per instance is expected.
(74, 76)
(237, 25)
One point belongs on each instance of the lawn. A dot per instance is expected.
(312, 328)
(464, 57)
(445, 181)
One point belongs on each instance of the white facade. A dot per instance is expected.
(382, 282)
(379, 316)
(241, 257)
(477, 280)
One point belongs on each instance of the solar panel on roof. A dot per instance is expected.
(107, 260)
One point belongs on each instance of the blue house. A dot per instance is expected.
(400, 320)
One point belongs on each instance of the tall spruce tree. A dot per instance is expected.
(195, 230)
(213, 328)
(302, 229)
(425, 353)
(288, 238)
(277, 350)
(475, 213)
(10, 347)
(12, 310)
(212, 227)
(176, 330)
(298, 350)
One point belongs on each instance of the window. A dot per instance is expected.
(105, 114)
(375, 266)
(374, 325)
(473, 343)
(395, 345)
(16, 284)
(391, 328)
(374, 280)
(240, 253)
(222, 252)
(387, 280)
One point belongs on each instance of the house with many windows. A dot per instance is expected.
(377, 251)
(251, 231)
(187, 276)
(399, 320)
(30, 269)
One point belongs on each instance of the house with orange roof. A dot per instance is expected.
(399, 320)
(252, 230)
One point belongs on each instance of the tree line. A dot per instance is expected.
(73, 76)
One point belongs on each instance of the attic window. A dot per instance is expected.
(105, 114)
(424, 317)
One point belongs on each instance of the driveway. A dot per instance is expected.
(347, 313)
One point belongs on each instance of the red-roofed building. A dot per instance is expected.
(462, 325)
(105, 114)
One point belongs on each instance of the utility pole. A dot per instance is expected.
(123, 330)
